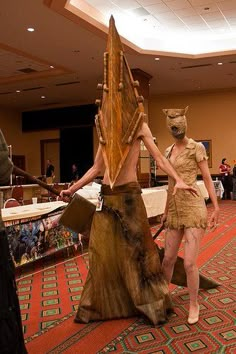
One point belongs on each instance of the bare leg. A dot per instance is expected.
(173, 239)
(193, 238)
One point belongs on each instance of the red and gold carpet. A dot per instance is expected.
(49, 298)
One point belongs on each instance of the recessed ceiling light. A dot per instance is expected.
(219, 63)
(51, 67)
(43, 96)
(30, 29)
(157, 58)
(17, 91)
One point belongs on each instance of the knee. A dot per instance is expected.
(168, 261)
(189, 266)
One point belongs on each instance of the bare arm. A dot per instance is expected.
(88, 177)
(161, 161)
(211, 191)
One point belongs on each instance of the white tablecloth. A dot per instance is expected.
(219, 189)
(30, 210)
(154, 200)
(203, 190)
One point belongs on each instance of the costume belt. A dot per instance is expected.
(131, 188)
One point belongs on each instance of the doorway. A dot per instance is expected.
(50, 150)
(76, 147)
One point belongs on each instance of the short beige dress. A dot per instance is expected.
(184, 209)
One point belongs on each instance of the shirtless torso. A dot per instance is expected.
(128, 172)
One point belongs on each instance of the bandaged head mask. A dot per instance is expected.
(176, 121)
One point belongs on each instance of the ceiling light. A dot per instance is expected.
(157, 59)
(30, 29)
(51, 67)
(17, 91)
(219, 63)
(43, 96)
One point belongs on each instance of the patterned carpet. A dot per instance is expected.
(50, 296)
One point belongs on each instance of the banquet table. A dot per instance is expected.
(34, 230)
(154, 198)
(29, 211)
(203, 190)
(219, 189)
(154, 201)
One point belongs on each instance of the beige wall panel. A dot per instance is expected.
(211, 116)
(27, 144)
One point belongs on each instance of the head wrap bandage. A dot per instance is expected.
(176, 121)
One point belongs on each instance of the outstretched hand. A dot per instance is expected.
(181, 185)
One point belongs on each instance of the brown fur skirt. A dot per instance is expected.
(124, 277)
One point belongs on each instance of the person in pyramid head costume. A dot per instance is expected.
(125, 277)
(11, 334)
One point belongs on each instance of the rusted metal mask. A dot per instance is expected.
(121, 111)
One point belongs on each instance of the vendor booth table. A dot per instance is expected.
(34, 230)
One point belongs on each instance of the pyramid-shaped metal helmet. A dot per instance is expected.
(121, 112)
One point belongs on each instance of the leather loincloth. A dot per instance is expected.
(124, 277)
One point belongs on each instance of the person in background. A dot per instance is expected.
(11, 334)
(226, 178)
(185, 215)
(49, 171)
(75, 173)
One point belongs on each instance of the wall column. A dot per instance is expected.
(143, 168)
(144, 85)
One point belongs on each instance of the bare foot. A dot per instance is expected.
(193, 316)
